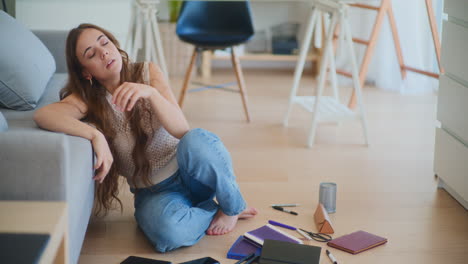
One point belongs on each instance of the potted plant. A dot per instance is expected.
(174, 9)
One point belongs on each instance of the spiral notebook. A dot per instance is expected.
(357, 242)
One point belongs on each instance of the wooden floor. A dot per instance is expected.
(387, 188)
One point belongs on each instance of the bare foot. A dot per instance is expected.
(223, 224)
(248, 213)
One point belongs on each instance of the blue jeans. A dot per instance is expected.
(177, 211)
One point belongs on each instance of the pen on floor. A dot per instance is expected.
(332, 258)
(284, 210)
(282, 225)
(286, 205)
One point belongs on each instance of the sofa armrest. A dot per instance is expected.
(40, 165)
(55, 41)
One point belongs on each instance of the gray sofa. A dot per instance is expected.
(40, 165)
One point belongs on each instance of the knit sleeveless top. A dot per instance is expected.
(161, 149)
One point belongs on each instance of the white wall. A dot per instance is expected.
(114, 15)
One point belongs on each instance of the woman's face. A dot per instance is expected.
(98, 55)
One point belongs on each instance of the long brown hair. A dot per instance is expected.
(100, 114)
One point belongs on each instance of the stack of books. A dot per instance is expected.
(273, 246)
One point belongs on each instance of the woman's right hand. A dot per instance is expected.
(104, 156)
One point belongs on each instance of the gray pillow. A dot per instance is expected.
(26, 65)
(3, 123)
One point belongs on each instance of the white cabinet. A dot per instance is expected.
(451, 164)
(455, 48)
(451, 143)
(456, 9)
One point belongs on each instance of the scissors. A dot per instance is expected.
(320, 237)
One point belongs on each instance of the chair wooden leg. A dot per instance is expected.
(188, 75)
(240, 81)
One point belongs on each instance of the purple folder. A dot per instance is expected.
(242, 248)
(258, 235)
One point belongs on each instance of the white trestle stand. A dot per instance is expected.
(327, 108)
(144, 27)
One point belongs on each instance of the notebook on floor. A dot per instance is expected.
(268, 231)
(357, 242)
(22, 247)
(280, 252)
(242, 248)
(141, 260)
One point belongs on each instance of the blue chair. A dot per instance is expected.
(211, 25)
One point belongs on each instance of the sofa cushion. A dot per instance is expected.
(3, 123)
(26, 65)
(55, 41)
(24, 119)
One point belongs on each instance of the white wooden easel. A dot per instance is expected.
(144, 27)
(327, 108)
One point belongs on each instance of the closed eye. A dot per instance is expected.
(103, 44)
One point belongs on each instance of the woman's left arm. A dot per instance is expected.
(161, 97)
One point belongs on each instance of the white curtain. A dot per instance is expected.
(415, 40)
